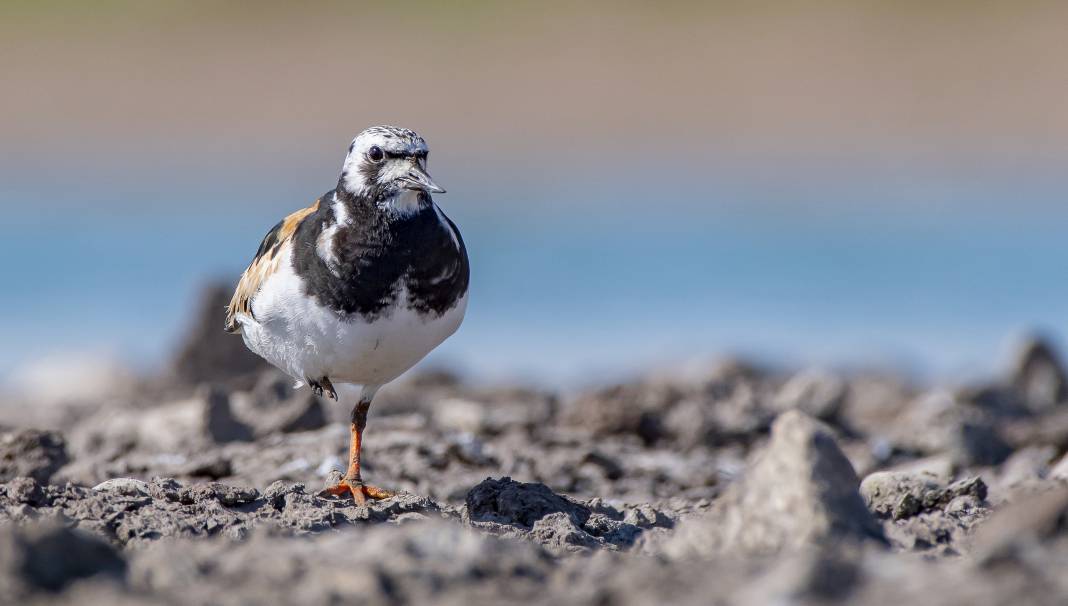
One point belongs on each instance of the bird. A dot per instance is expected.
(358, 287)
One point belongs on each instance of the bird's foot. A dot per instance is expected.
(322, 386)
(360, 492)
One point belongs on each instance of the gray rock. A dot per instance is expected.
(896, 495)
(559, 532)
(940, 467)
(874, 404)
(630, 408)
(1059, 470)
(31, 453)
(1029, 465)
(413, 563)
(275, 494)
(900, 495)
(937, 422)
(168, 509)
(1048, 429)
(684, 519)
(689, 423)
(813, 392)
(189, 424)
(800, 490)
(227, 495)
(129, 487)
(814, 575)
(48, 557)
(737, 412)
(1024, 529)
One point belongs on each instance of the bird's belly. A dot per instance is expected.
(378, 351)
(309, 341)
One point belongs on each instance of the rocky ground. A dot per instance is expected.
(734, 485)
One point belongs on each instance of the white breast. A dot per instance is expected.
(309, 341)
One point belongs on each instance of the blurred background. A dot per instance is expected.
(851, 184)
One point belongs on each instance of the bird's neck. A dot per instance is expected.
(383, 206)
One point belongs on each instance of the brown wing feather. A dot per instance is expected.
(264, 264)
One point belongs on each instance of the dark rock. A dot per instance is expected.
(608, 465)
(275, 406)
(998, 399)
(978, 443)
(28, 491)
(508, 508)
(506, 501)
(208, 354)
(307, 416)
(219, 421)
(1038, 376)
(31, 453)
(213, 465)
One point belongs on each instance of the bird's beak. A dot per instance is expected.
(418, 179)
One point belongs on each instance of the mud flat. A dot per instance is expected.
(735, 485)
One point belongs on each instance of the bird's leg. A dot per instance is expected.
(352, 483)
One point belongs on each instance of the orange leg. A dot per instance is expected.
(352, 483)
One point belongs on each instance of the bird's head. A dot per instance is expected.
(386, 165)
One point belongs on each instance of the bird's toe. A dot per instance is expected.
(359, 491)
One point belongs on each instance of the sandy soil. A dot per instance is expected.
(734, 485)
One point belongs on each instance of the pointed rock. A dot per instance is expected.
(798, 491)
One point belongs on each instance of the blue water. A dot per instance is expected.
(935, 276)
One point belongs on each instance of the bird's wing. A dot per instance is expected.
(263, 265)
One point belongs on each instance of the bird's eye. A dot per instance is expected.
(375, 154)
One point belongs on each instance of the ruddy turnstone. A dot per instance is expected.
(359, 286)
